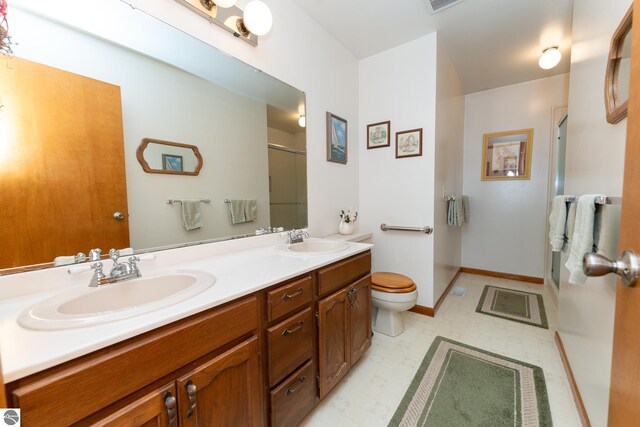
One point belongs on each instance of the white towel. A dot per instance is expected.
(582, 239)
(602, 231)
(455, 214)
(191, 214)
(251, 210)
(571, 223)
(557, 223)
(237, 209)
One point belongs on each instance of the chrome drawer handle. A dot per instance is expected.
(171, 404)
(290, 331)
(293, 390)
(293, 295)
(193, 397)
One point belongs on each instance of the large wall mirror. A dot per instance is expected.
(619, 70)
(75, 108)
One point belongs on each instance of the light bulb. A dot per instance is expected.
(257, 17)
(302, 121)
(225, 3)
(550, 58)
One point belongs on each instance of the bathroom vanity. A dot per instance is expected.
(262, 354)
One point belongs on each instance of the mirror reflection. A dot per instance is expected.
(68, 149)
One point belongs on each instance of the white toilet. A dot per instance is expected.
(391, 294)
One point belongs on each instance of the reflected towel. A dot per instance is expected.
(191, 214)
(557, 223)
(237, 210)
(571, 222)
(465, 207)
(250, 210)
(582, 238)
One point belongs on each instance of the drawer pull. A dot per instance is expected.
(290, 331)
(171, 404)
(293, 390)
(293, 295)
(193, 398)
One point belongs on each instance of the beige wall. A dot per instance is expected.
(595, 158)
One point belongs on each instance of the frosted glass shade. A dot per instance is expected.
(258, 18)
(550, 58)
(302, 121)
(225, 3)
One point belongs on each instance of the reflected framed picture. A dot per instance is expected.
(378, 135)
(171, 162)
(507, 155)
(409, 143)
(336, 139)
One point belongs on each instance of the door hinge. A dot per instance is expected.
(317, 320)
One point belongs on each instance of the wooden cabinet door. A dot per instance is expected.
(360, 317)
(334, 340)
(157, 408)
(225, 391)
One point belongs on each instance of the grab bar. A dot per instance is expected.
(426, 229)
(172, 201)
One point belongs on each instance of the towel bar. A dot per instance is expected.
(172, 201)
(426, 229)
(602, 200)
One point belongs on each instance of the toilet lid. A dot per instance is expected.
(392, 282)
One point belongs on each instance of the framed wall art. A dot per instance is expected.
(409, 143)
(378, 135)
(171, 162)
(336, 139)
(507, 155)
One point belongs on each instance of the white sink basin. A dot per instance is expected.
(91, 306)
(314, 247)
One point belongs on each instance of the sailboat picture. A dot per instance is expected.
(336, 139)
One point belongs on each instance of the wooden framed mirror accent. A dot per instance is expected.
(616, 89)
(166, 157)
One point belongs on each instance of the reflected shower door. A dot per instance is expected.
(559, 189)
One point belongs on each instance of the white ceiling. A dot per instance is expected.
(491, 43)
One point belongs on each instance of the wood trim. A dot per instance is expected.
(509, 276)
(616, 110)
(431, 312)
(148, 169)
(577, 398)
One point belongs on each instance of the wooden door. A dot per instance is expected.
(624, 400)
(157, 408)
(334, 340)
(225, 391)
(360, 318)
(62, 173)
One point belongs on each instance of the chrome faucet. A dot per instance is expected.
(296, 236)
(120, 272)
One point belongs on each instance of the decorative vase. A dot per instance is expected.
(345, 227)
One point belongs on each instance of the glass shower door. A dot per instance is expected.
(559, 189)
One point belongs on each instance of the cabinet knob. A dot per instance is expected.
(171, 405)
(193, 398)
(290, 331)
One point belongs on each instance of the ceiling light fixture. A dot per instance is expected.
(302, 121)
(256, 20)
(550, 58)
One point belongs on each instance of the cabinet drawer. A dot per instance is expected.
(287, 298)
(292, 400)
(290, 344)
(342, 273)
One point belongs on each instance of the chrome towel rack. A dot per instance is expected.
(172, 201)
(426, 229)
(601, 200)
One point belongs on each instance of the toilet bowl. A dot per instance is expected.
(391, 294)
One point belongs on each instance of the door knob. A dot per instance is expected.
(627, 267)
(118, 215)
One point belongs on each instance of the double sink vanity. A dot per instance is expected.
(214, 335)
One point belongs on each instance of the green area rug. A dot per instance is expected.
(519, 306)
(460, 385)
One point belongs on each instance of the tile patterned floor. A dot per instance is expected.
(371, 392)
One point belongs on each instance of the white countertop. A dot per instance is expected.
(24, 351)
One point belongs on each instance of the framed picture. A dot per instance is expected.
(507, 155)
(171, 162)
(378, 135)
(409, 143)
(336, 139)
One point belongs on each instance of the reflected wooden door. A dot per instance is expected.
(624, 400)
(62, 173)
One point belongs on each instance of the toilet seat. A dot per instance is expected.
(393, 283)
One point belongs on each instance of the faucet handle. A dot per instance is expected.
(95, 254)
(114, 254)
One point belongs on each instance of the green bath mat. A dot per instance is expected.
(519, 306)
(459, 385)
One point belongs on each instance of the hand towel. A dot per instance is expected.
(250, 210)
(571, 222)
(557, 223)
(455, 216)
(459, 211)
(191, 214)
(582, 239)
(465, 207)
(450, 212)
(237, 209)
(602, 231)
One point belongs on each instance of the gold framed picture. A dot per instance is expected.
(507, 155)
